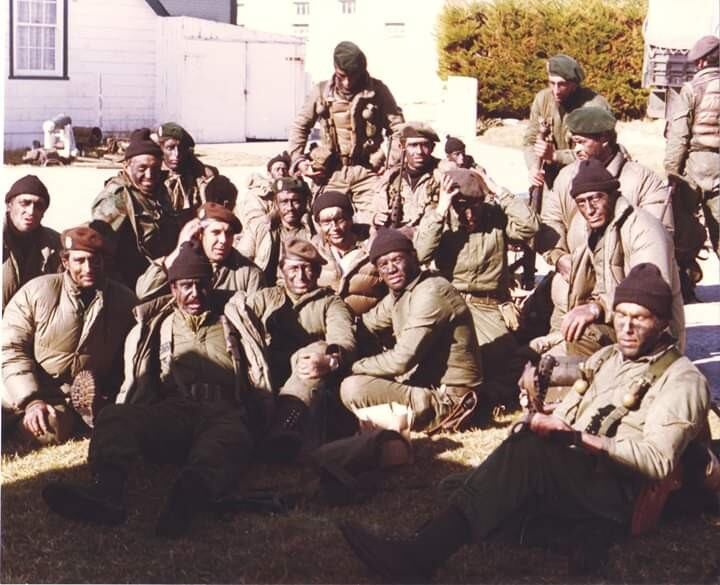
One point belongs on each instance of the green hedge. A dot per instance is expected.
(505, 45)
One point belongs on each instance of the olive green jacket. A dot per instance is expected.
(145, 228)
(358, 182)
(187, 188)
(689, 149)
(632, 237)
(48, 337)
(435, 340)
(236, 273)
(544, 107)
(40, 255)
(650, 440)
(372, 111)
(563, 227)
(477, 261)
(290, 325)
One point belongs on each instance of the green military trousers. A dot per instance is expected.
(531, 475)
(210, 439)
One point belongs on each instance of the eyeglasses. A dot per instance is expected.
(590, 200)
(336, 221)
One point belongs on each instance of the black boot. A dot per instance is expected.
(414, 559)
(189, 495)
(101, 502)
(285, 438)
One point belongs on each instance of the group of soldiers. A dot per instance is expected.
(186, 324)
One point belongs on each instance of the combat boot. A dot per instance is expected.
(189, 495)
(415, 559)
(285, 437)
(100, 502)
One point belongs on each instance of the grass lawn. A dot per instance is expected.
(303, 546)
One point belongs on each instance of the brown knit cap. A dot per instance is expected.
(389, 240)
(142, 143)
(219, 212)
(83, 238)
(299, 249)
(593, 176)
(644, 285)
(28, 185)
(470, 183)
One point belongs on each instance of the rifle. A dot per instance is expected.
(396, 205)
(528, 259)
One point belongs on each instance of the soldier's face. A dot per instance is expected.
(191, 294)
(590, 146)
(217, 239)
(86, 269)
(561, 87)
(398, 269)
(346, 81)
(279, 169)
(335, 225)
(300, 277)
(596, 207)
(26, 212)
(291, 206)
(417, 152)
(144, 172)
(637, 328)
(458, 157)
(173, 153)
(469, 210)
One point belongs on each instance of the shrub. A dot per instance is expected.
(505, 45)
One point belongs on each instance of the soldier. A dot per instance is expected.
(262, 241)
(408, 189)
(215, 227)
(348, 270)
(222, 191)
(550, 108)
(593, 136)
(29, 248)
(618, 237)
(473, 257)
(692, 153)
(585, 464)
(186, 177)
(62, 344)
(311, 335)
(353, 109)
(185, 397)
(258, 200)
(455, 153)
(434, 366)
(138, 208)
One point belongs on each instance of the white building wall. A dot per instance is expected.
(111, 69)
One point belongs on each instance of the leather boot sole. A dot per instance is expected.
(75, 503)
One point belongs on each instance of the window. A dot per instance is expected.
(302, 8)
(38, 38)
(394, 30)
(301, 30)
(347, 6)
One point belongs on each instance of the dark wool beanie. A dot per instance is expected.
(644, 285)
(332, 199)
(593, 176)
(190, 263)
(142, 143)
(453, 144)
(28, 185)
(389, 240)
(282, 157)
(220, 189)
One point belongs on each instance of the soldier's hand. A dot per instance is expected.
(544, 150)
(537, 178)
(575, 322)
(563, 266)
(448, 190)
(545, 424)
(37, 418)
(381, 219)
(313, 365)
(190, 231)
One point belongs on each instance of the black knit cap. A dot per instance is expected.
(221, 190)
(332, 199)
(282, 157)
(173, 130)
(389, 240)
(453, 144)
(644, 285)
(28, 185)
(191, 263)
(593, 176)
(350, 58)
(142, 143)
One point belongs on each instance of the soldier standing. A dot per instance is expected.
(354, 110)
(692, 153)
(29, 248)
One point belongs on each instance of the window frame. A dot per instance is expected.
(61, 53)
